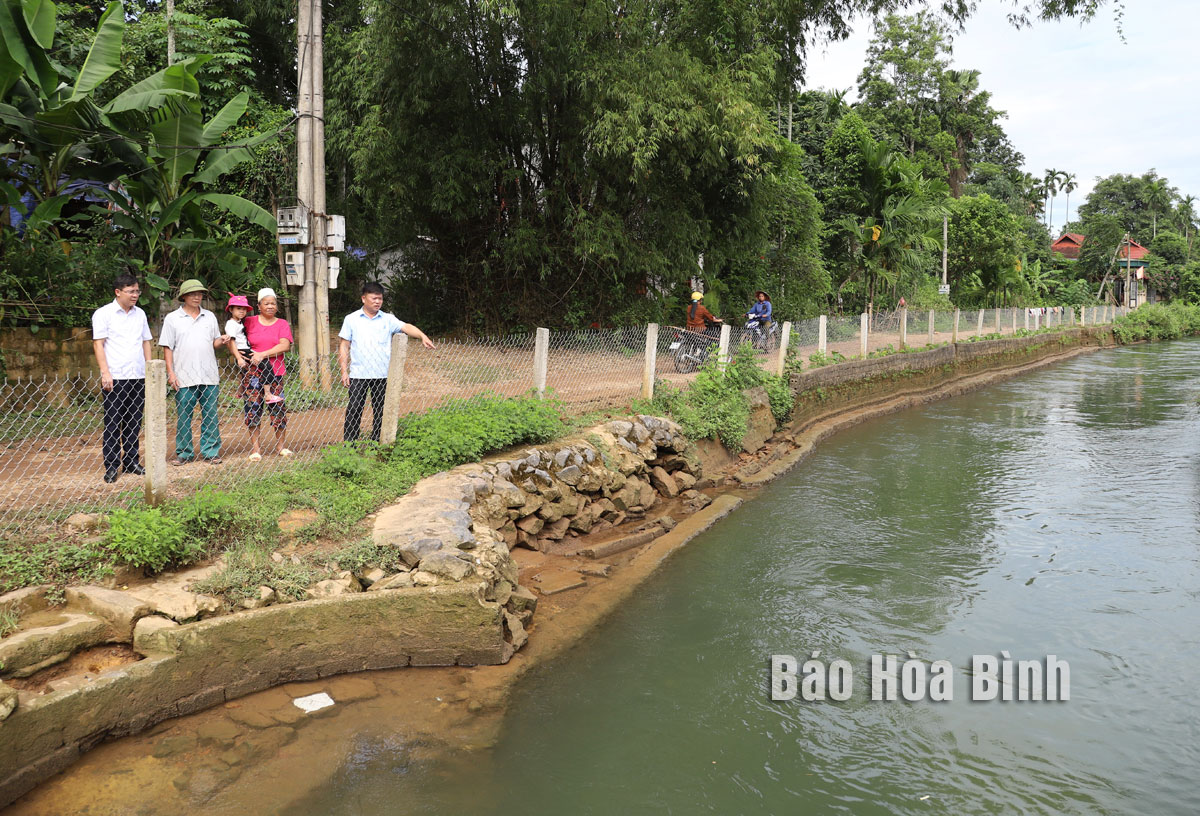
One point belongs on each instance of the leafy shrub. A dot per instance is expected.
(715, 405)
(466, 430)
(149, 539)
(9, 619)
(1152, 322)
(819, 359)
(350, 460)
(886, 351)
(210, 516)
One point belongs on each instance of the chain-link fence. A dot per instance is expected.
(259, 414)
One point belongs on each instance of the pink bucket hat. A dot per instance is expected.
(236, 300)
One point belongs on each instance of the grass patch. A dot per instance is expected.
(8, 622)
(247, 568)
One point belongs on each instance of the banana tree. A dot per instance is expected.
(160, 198)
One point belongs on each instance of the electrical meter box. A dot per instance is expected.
(335, 269)
(335, 233)
(294, 265)
(291, 225)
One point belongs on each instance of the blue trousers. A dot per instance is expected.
(186, 400)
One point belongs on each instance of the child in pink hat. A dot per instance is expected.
(238, 307)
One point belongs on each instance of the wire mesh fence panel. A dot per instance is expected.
(843, 334)
(589, 370)
(804, 340)
(52, 459)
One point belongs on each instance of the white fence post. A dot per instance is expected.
(155, 423)
(822, 334)
(954, 334)
(1037, 320)
(1026, 319)
(979, 324)
(393, 389)
(998, 329)
(864, 328)
(650, 362)
(903, 327)
(1014, 318)
(784, 340)
(723, 346)
(541, 360)
(930, 340)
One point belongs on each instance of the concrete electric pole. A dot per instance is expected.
(313, 331)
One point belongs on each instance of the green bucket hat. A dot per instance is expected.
(189, 286)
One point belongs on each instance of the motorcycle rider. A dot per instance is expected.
(698, 317)
(761, 310)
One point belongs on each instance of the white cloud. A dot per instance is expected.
(1078, 98)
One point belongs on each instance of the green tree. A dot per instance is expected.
(984, 237)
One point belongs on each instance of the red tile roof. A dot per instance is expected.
(1068, 245)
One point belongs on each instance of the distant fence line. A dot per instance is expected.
(50, 431)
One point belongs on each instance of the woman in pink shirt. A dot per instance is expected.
(269, 337)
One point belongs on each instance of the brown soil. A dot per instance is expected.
(84, 663)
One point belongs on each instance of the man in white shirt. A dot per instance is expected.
(121, 342)
(190, 337)
(364, 353)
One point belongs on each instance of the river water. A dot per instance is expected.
(1057, 513)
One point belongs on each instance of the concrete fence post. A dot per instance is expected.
(155, 423)
(541, 360)
(650, 362)
(1037, 320)
(1014, 320)
(904, 327)
(931, 318)
(822, 334)
(1026, 319)
(784, 340)
(998, 329)
(395, 386)
(864, 328)
(954, 332)
(979, 323)
(723, 346)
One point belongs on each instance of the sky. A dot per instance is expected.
(1078, 98)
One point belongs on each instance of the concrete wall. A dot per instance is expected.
(198, 665)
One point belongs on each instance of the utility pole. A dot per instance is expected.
(170, 32)
(310, 189)
(945, 246)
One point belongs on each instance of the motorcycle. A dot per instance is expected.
(763, 338)
(691, 350)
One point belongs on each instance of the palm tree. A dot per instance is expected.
(1187, 219)
(1068, 187)
(1051, 182)
(1158, 200)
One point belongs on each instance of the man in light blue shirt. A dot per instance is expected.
(364, 354)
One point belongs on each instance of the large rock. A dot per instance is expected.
(25, 600)
(411, 552)
(120, 609)
(761, 424)
(177, 604)
(398, 581)
(45, 645)
(571, 474)
(531, 524)
(446, 565)
(8, 701)
(664, 482)
(344, 584)
(147, 635)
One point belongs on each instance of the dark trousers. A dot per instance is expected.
(123, 408)
(358, 400)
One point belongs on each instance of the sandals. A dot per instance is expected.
(255, 457)
(284, 452)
